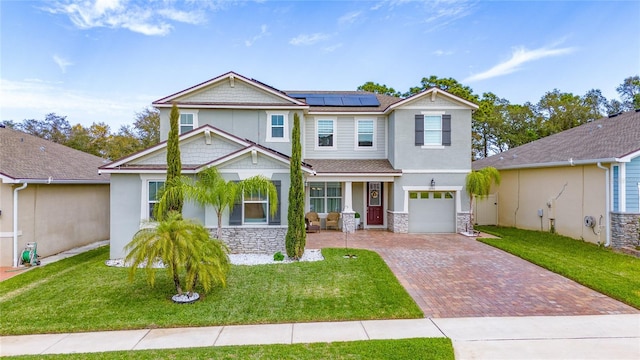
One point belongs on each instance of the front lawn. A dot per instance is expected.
(434, 348)
(613, 274)
(83, 294)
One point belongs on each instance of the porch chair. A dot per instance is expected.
(332, 220)
(312, 221)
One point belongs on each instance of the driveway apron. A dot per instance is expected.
(450, 275)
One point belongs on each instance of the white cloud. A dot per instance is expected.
(441, 52)
(62, 63)
(263, 33)
(332, 48)
(308, 39)
(148, 18)
(519, 56)
(349, 18)
(34, 98)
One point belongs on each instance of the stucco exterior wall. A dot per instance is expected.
(565, 194)
(57, 217)
(345, 138)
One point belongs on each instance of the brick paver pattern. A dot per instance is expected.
(450, 275)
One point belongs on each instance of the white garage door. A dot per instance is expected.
(432, 212)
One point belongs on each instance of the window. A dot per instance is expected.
(277, 127)
(255, 206)
(154, 190)
(253, 209)
(186, 123)
(325, 197)
(433, 130)
(365, 133)
(325, 133)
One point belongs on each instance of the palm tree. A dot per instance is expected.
(211, 189)
(184, 246)
(478, 184)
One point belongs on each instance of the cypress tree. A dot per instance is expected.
(296, 237)
(174, 165)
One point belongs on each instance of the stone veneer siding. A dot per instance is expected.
(348, 221)
(462, 222)
(254, 240)
(625, 229)
(398, 222)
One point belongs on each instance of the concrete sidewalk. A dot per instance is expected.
(559, 337)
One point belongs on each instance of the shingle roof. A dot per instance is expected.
(601, 140)
(352, 166)
(27, 157)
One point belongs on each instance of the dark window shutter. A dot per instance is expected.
(446, 130)
(419, 130)
(275, 219)
(235, 217)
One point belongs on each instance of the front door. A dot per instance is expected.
(374, 204)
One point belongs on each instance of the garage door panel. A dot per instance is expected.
(431, 212)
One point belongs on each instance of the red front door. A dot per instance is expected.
(374, 204)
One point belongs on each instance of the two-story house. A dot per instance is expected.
(400, 163)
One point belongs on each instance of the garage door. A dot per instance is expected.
(432, 212)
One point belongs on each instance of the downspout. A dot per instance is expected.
(15, 223)
(607, 207)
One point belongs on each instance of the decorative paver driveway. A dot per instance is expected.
(450, 275)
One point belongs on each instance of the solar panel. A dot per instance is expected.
(333, 100)
(369, 100)
(315, 100)
(351, 101)
(348, 100)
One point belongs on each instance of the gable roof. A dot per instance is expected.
(125, 165)
(433, 92)
(613, 139)
(26, 158)
(231, 77)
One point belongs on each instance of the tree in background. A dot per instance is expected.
(376, 88)
(629, 92)
(147, 127)
(296, 237)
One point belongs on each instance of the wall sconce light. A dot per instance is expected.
(433, 182)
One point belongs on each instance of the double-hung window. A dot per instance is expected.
(326, 133)
(277, 125)
(433, 130)
(255, 207)
(188, 121)
(365, 130)
(325, 197)
(154, 188)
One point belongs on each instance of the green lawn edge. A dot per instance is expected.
(613, 274)
(82, 294)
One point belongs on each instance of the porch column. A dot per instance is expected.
(348, 196)
(348, 215)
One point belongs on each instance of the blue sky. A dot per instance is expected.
(103, 61)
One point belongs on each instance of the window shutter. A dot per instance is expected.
(446, 130)
(275, 219)
(419, 130)
(235, 217)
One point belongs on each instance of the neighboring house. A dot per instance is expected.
(401, 163)
(583, 182)
(49, 194)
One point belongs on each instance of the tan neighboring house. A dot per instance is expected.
(583, 183)
(49, 194)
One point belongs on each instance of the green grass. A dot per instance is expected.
(434, 348)
(83, 294)
(613, 274)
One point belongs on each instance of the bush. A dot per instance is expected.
(278, 256)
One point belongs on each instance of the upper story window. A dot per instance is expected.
(188, 121)
(433, 130)
(326, 133)
(277, 126)
(365, 133)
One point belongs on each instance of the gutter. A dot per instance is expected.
(52, 181)
(569, 162)
(15, 223)
(607, 206)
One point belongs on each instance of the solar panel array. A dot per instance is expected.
(346, 100)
